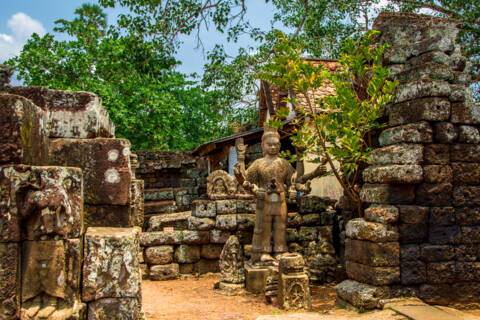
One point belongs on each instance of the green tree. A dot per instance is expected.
(151, 104)
(337, 126)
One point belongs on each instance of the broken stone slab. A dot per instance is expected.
(204, 209)
(429, 109)
(394, 174)
(71, 114)
(376, 232)
(40, 203)
(105, 164)
(187, 254)
(10, 284)
(23, 132)
(149, 239)
(387, 193)
(419, 132)
(51, 272)
(115, 309)
(376, 276)
(361, 295)
(164, 272)
(385, 254)
(159, 255)
(382, 214)
(111, 268)
(177, 220)
(397, 154)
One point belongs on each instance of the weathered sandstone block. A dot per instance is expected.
(105, 164)
(376, 232)
(394, 174)
(164, 272)
(71, 114)
(115, 309)
(466, 196)
(419, 132)
(201, 224)
(118, 216)
(40, 203)
(148, 239)
(397, 154)
(429, 109)
(226, 222)
(137, 213)
(373, 254)
(437, 154)
(204, 209)
(468, 134)
(226, 206)
(187, 254)
(422, 89)
(434, 194)
(376, 276)
(23, 132)
(362, 295)
(177, 220)
(445, 132)
(387, 194)
(437, 174)
(111, 268)
(211, 251)
(159, 255)
(382, 213)
(219, 236)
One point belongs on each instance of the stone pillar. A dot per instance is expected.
(422, 187)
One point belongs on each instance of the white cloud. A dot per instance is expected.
(22, 26)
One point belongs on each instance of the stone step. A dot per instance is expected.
(164, 206)
(177, 220)
(416, 309)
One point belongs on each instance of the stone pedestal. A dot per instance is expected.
(293, 289)
(255, 278)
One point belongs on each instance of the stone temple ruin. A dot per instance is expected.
(70, 210)
(83, 220)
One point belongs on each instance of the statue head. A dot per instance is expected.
(271, 142)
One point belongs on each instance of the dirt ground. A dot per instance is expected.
(195, 299)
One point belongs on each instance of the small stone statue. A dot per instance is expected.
(269, 178)
(232, 272)
(293, 284)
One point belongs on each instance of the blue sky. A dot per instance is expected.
(20, 18)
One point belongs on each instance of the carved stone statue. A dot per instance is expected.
(231, 262)
(269, 179)
(220, 185)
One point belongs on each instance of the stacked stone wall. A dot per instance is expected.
(421, 228)
(191, 242)
(44, 210)
(173, 180)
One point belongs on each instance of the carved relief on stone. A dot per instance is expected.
(220, 185)
(40, 203)
(293, 289)
(50, 280)
(231, 262)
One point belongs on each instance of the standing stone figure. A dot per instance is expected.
(269, 179)
(232, 273)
